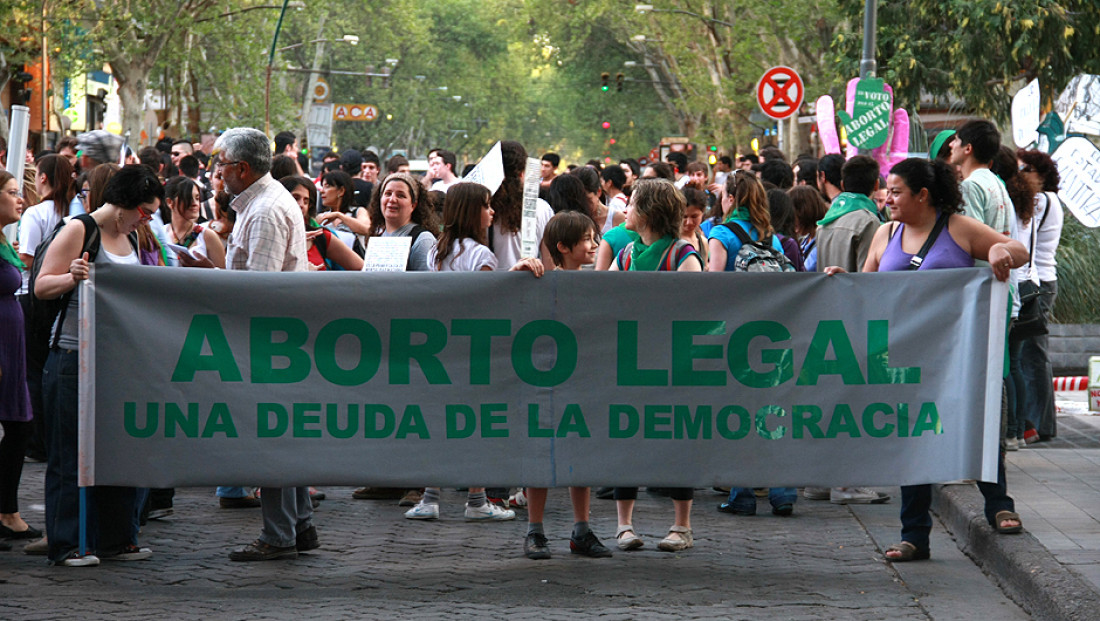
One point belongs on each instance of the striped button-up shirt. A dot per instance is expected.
(269, 235)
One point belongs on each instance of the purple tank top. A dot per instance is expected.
(944, 253)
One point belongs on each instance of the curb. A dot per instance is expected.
(1026, 571)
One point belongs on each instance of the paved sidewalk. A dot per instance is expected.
(1053, 569)
(825, 562)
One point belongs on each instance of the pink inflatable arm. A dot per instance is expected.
(899, 149)
(826, 124)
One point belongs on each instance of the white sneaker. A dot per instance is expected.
(1012, 444)
(856, 496)
(424, 511)
(518, 500)
(76, 560)
(815, 493)
(488, 512)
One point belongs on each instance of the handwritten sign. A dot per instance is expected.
(869, 125)
(387, 254)
(528, 239)
(1079, 167)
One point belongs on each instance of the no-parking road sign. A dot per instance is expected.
(779, 93)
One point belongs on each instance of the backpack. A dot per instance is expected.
(670, 261)
(46, 314)
(758, 255)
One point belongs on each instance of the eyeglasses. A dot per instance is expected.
(224, 164)
(145, 215)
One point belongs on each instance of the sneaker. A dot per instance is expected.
(163, 512)
(727, 507)
(244, 502)
(425, 511)
(38, 548)
(588, 545)
(783, 509)
(857, 496)
(1031, 436)
(536, 547)
(260, 551)
(488, 513)
(128, 553)
(627, 539)
(316, 494)
(378, 493)
(307, 540)
(411, 498)
(518, 500)
(78, 560)
(816, 493)
(1011, 444)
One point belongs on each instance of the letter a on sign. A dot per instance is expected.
(779, 92)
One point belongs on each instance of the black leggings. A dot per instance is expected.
(676, 493)
(12, 447)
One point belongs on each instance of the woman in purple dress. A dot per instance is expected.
(918, 194)
(15, 401)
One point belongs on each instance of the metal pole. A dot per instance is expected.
(271, 61)
(867, 65)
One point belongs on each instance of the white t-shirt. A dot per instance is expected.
(506, 246)
(473, 257)
(443, 186)
(35, 225)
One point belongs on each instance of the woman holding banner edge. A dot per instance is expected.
(923, 198)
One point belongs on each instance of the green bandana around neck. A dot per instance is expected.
(8, 253)
(647, 258)
(741, 213)
(846, 203)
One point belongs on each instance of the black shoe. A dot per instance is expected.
(783, 510)
(605, 493)
(245, 502)
(588, 545)
(307, 540)
(30, 533)
(260, 551)
(726, 507)
(536, 547)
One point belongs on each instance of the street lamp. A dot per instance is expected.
(348, 38)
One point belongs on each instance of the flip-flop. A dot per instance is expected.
(1005, 516)
(907, 552)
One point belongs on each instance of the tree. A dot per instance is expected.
(976, 49)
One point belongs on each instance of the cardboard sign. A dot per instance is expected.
(1025, 114)
(489, 172)
(319, 127)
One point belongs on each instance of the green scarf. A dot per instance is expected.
(741, 213)
(846, 203)
(8, 253)
(647, 258)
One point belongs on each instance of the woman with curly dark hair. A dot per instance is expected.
(504, 235)
(400, 208)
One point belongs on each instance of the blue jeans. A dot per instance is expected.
(744, 499)
(110, 510)
(1038, 405)
(230, 492)
(1017, 389)
(287, 512)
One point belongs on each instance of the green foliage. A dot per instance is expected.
(974, 48)
(1078, 298)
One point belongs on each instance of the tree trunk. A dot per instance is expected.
(131, 91)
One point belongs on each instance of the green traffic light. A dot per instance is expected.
(605, 88)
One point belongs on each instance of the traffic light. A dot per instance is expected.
(605, 77)
(22, 90)
(619, 82)
(606, 125)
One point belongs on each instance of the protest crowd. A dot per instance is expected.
(971, 202)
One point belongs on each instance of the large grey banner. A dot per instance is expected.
(217, 377)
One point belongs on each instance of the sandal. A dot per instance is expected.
(679, 538)
(1007, 516)
(906, 552)
(627, 538)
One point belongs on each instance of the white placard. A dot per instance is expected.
(319, 127)
(387, 254)
(528, 238)
(178, 249)
(1025, 114)
(489, 172)
(1079, 167)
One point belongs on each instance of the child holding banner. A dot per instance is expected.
(461, 248)
(657, 215)
(570, 240)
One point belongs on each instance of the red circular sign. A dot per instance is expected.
(780, 92)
